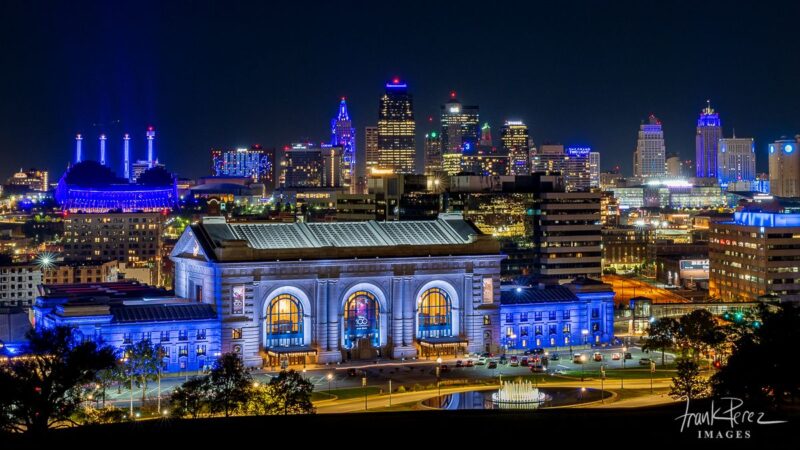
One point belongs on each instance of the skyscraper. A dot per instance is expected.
(459, 125)
(396, 127)
(736, 160)
(371, 148)
(650, 152)
(577, 173)
(486, 135)
(594, 169)
(514, 138)
(784, 168)
(344, 135)
(433, 153)
(674, 166)
(256, 163)
(709, 132)
(550, 159)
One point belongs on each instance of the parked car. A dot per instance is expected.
(616, 356)
(628, 355)
(524, 361)
(554, 357)
(577, 358)
(459, 364)
(513, 361)
(538, 351)
(470, 363)
(481, 361)
(597, 356)
(645, 361)
(537, 368)
(492, 364)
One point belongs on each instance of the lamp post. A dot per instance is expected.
(364, 385)
(602, 382)
(438, 373)
(622, 372)
(158, 373)
(585, 334)
(330, 378)
(583, 364)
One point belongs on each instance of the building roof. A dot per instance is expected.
(162, 312)
(524, 295)
(123, 290)
(449, 234)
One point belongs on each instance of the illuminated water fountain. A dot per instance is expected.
(518, 394)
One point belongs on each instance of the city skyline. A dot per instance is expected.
(578, 100)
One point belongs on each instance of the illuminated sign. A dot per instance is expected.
(581, 152)
(237, 299)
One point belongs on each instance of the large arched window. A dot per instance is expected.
(284, 322)
(435, 315)
(362, 319)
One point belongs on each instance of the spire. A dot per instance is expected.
(343, 115)
(708, 109)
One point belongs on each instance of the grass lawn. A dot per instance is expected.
(343, 394)
(619, 373)
(625, 394)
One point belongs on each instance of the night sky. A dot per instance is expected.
(229, 74)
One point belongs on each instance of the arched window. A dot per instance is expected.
(284, 322)
(362, 319)
(435, 315)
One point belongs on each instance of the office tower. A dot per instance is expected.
(302, 165)
(332, 166)
(736, 160)
(396, 127)
(709, 132)
(18, 283)
(486, 136)
(459, 126)
(594, 169)
(674, 166)
(371, 148)
(577, 176)
(550, 159)
(649, 158)
(784, 168)
(433, 153)
(514, 139)
(256, 163)
(754, 255)
(344, 135)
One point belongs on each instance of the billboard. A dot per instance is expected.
(694, 269)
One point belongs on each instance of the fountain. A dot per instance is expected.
(518, 394)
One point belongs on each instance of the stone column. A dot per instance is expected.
(402, 343)
(331, 353)
(321, 317)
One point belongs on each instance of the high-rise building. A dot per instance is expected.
(459, 126)
(255, 163)
(18, 283)
(433, 153)
(577, 170)
(594, 169)
(486, 136)
(302, 165)
(674, 166)
(736, 160)
(550, 158)
(333, 162)
(784, 167)
(371, 147)
(649, 158)
(344, 135)
(709, 132)
(514, 138)
(396, 128)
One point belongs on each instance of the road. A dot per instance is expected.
(627, 288)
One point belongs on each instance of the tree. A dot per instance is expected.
(291, 394)
(688, 383)
(661, 336)
(143, 363)
(45, 388)
(229, 382)
(259, 400)
(191, 398)
(699, 332)
(762, 367)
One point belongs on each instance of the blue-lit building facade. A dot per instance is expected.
(344, 135)
(328, 292)
(123, 313)
(709, 132)
(556, 316)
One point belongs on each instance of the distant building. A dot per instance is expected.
(736, 160)
(433, 153)
(709, 132)
(514, 138)
(674, 166)
(371, 148)
(550, 159)
(784, 168)
(556, 317)
(18, 284)
(78, 272)
(256, 163)
(577, 169)
(459, 126)
(649, 157)
(396, 129)
(343, 136)
(31, 179)
(594, 169)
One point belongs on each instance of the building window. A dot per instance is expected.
(565, 314)
(201, 350)
(284, 322)
(509, 318)
(551, 315)
(434, 314)
(523, 317)
(488, 290)
(552, 328)
(165, 352)
(487, 320)
(567, 328)
(537, 330)
(126, 338)
(183, 335)
(146, 336)
(595, 313)
(537, 316)
(523, 332)
(165, 336)
(595, 326)
(183, 350)
(236, 333)
(201, 335)
(237, 300)
(362, 319)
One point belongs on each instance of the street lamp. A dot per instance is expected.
(622, 372)
(438, 372)
(583, 364)
(330, 378)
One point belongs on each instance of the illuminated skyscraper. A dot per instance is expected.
(514, 138)
(550, 159)
(459, 126)
(256, 163)
(709, 132)
(371, 147)
(594, 169)
(344, 135)
(577, 175)
(674, 166)
(784, 167)
(649, 158)
(433, 153)
(736, 160)
(396, 127)
(486, 135)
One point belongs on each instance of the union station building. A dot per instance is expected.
(301, 293)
